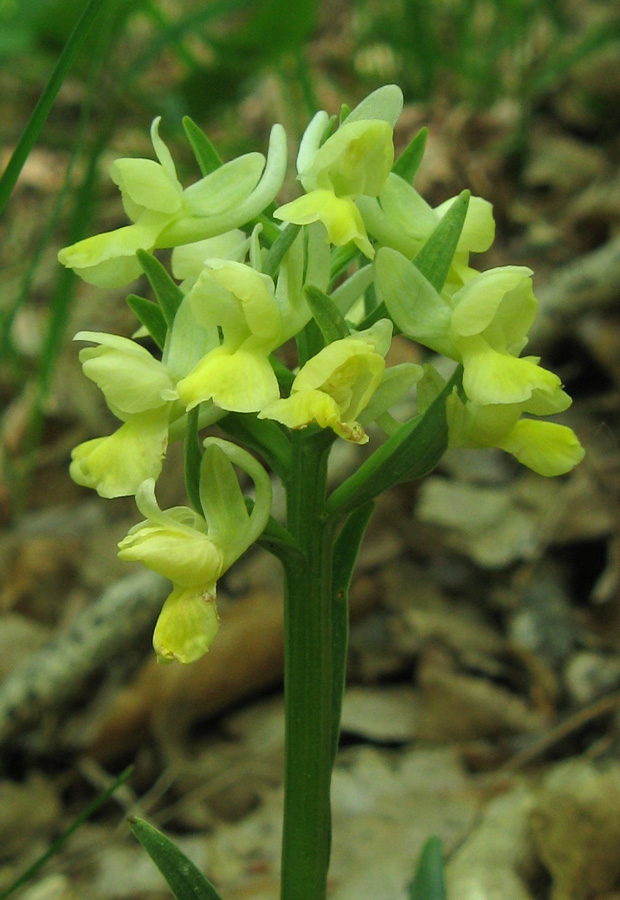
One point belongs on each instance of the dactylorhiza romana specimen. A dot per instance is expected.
(358, 255)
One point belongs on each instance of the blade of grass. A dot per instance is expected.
(190, 23)
(63, 288)
(59, 842)
(46, 101)
(6, 320)
(62, 295)
(65, 282)
(163, 23)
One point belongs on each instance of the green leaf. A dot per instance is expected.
(326, 314)
(184, 878)
(346, 551)
(192, 458)
(207, 157)
(412, 452)
(168, 294)
(279, 247)
(409, 160)
(428, 882)
(151, 316)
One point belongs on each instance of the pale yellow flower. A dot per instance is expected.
(194, 550)
(353, 162)
(336, 385)
(163, 214)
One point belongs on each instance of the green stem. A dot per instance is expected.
(308, 675)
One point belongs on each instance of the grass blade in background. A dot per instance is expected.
(60, 841)
(46, 101)
(64, 282)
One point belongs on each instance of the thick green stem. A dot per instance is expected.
(308, 676)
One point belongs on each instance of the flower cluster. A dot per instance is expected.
(242, 286)
(482, 323)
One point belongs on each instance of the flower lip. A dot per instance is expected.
(187, 625)
(334, 386)
(116, 466)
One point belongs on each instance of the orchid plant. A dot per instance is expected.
(359, 255)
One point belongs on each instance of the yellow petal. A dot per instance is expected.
(131, 379)
(545, 447)
(116, 466)
(108, 259)
(490, 377)
(340, 216)
(187, 625)
(305, 407)
(147, 184)
(180, 553)
(355, 160)
(242, 381)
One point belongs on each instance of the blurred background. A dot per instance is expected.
(486, 610)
